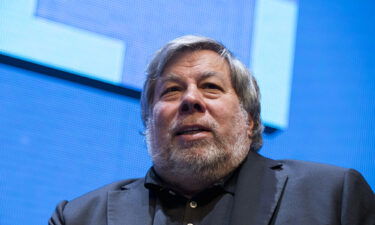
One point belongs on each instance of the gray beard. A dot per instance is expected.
(221, 155)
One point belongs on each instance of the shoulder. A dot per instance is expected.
(103, 191)
(329, 189)
(303, 173)
(99, 196)
(90, 207)
(321, 175)
(318, 179)
(300, 168)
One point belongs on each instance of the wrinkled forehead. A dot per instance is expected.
(196, 66)
(192, 57)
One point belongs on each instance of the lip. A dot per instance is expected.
(192, 132)
(188, 128)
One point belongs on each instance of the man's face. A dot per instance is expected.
(197, 122)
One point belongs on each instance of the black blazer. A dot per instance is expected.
(268, 192)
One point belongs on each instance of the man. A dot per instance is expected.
(201, 110)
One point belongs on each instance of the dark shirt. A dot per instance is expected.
(211, 206)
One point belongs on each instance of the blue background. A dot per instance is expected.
(59, 139)
(145, 26)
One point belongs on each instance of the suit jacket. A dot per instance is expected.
(268, 192)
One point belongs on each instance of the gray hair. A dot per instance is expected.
(243, 82)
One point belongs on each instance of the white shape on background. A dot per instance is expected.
(22, 35)
(40, 40)
(273, 56)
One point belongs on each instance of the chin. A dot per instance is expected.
(198, 156)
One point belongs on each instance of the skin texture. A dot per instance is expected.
(198, 131)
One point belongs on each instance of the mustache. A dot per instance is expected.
(207, 123)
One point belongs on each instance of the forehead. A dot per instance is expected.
(197, 63)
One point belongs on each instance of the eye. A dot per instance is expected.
(170, 89)
(212, 86)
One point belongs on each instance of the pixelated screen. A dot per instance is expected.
(115, 41)
(60, 139)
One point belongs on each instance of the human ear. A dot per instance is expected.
(250, 127)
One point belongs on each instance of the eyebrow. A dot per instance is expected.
(171, 77)
(209, 74)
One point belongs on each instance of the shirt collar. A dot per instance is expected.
(154, 182)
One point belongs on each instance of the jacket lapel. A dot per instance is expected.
(132, 205)
(260, 185)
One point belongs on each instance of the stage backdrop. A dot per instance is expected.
(59, 139)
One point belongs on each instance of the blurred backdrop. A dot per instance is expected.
(71, 73)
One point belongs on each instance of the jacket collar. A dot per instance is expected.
(260, 185)
(134, 204)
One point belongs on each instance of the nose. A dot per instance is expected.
(192, 101)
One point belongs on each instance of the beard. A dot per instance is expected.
(208, 159)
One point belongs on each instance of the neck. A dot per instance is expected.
(187, 184)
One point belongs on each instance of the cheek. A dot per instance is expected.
(162, 116)
(226, 117)
(225, 111)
